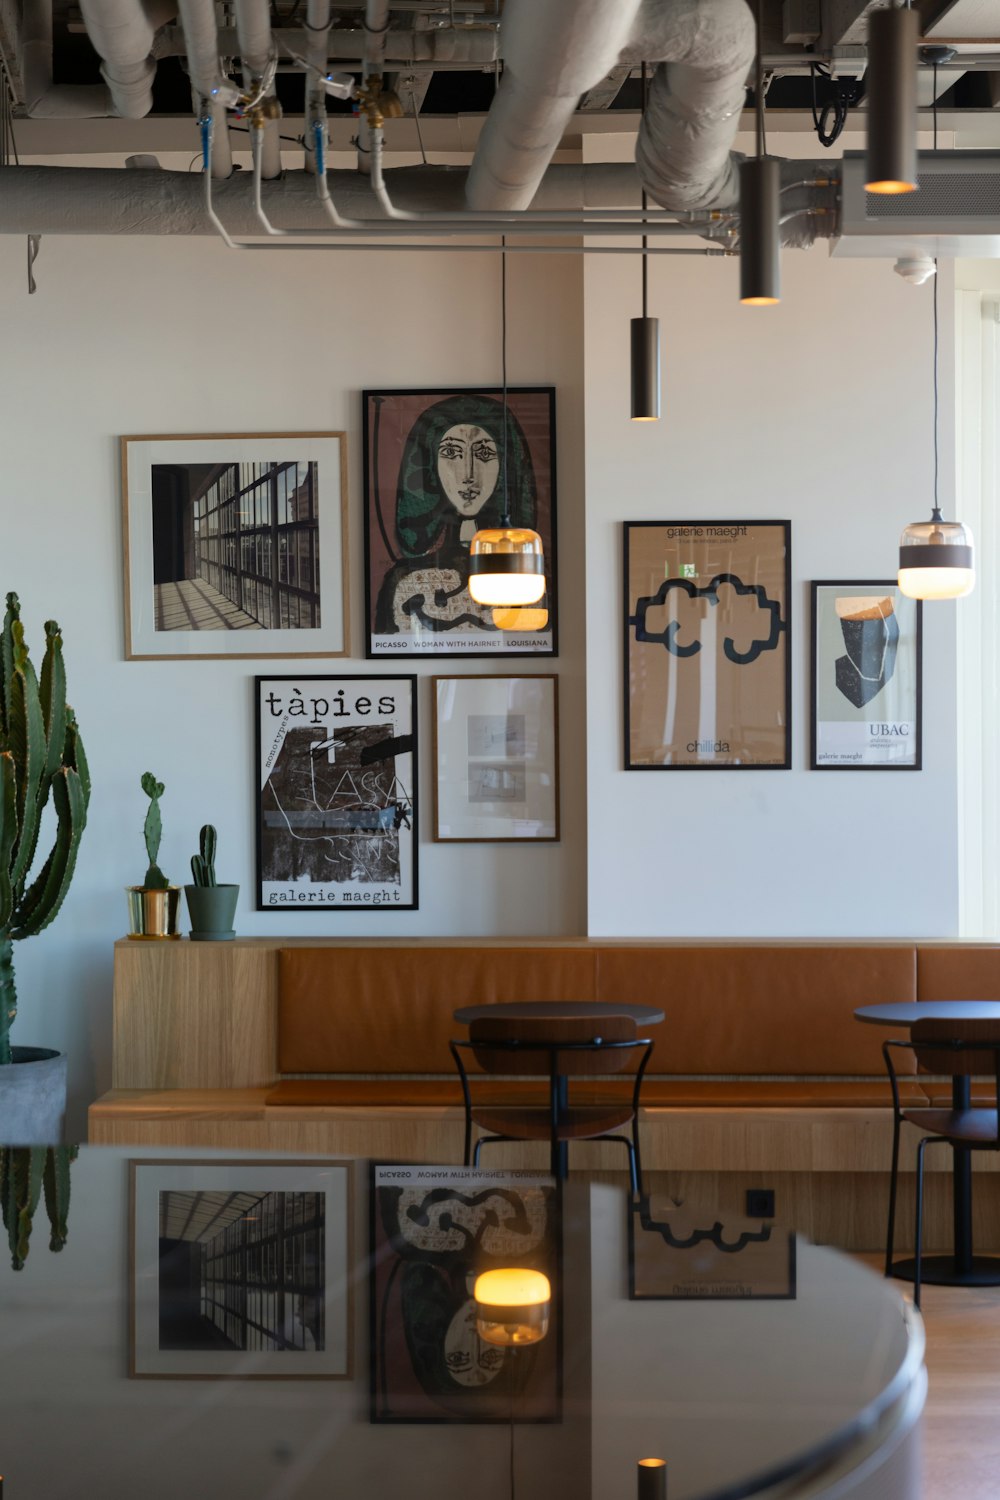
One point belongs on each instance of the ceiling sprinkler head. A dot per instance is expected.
(915, 269)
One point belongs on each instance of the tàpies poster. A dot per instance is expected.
(337, 786)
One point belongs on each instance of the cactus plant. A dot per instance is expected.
(152, 832)
(203, 864)
(40, 753)
(26, 1172)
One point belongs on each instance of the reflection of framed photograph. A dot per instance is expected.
(707, 649)
(430, 1239)
(337, 778)
(235, 545)
(240, 1269)
(678, 1251)
(866, 677)
(496, 759)
(438, 465)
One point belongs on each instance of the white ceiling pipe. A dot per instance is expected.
(445, 49)
(198, 24)
(253, 29)
(96, 200)
(376, 35)
(317, 51)
(122, 33)
(42, 98)
(552, 54)
(705, 50)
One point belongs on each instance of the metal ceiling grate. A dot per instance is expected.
(965, 195)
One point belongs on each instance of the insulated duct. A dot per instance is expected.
(553, 53)
(122, 34)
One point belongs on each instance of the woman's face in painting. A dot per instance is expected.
(468, 467)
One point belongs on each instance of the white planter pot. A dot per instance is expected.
(33, 1098)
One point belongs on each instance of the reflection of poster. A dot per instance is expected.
(683, 1251)
(438, 465)
(707, 651)
(865, 677)
(434, 1229)
(336, 819)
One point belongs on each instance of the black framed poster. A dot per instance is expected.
(337, 787)
(707, 648)
(438, 466)
(866, 677)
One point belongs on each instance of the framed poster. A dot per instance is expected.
(337, 788)
(496, 759)
(866, 677)
(437, 465)
(240, 1269)
(678, 1251)
(707, 648)
(235, 545)
(433, 1231)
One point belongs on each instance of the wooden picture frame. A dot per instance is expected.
(233, 540)
(272, 1264)
(866, 689)
(496, 758)
(707, 638)
(422, 509)
(337, 803)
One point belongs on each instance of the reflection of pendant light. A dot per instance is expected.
(512, 1306)
(506, 563)
(760, 203)
(652, 1474)
(891, 159)
(645, 335)
(936, 557)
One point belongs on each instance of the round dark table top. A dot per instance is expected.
(553, 1010)
(905, 1012)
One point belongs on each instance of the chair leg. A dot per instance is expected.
(890, 1237)
(637, 1159)
(467, 1158)
(919, 1228)
(476, 1151)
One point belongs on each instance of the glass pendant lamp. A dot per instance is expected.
(506, 562)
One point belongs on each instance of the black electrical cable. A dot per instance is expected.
(830, 118)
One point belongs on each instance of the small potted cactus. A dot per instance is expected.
(153, 906)
(211, 906)
(26, 1172)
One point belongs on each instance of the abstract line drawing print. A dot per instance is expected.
(726, 589)
(335, 806)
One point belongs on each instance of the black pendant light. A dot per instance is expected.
(506, 563)
(891, 158)
(760, 208)
(645, 332)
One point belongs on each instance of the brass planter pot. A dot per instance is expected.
(152, 914)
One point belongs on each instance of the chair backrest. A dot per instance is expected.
(524, 1046)
(930, 1040)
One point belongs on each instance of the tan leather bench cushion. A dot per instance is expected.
(389, 1010)
(386, 1093)
(762, 1009)
(958, 971)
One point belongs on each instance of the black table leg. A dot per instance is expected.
(560, 1149)
(961, 1268)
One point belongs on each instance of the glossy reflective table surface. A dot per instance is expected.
(737, 1352)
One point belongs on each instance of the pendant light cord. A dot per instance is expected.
(758, 86)
(505, 518)
(645, 205)
(937, 508)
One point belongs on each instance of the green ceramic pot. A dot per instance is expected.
(211, 909)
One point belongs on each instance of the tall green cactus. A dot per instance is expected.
(152, 831)
(26, 1172)
(203, 864)
(40, 752)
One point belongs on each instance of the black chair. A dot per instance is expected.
(960, 1049)
(557, 1049)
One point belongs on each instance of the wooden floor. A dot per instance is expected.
(195, 605)
(962, 1417)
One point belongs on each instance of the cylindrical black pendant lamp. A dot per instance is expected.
(760, 231)
(645, 369)
(891, 160)
(652, 1476)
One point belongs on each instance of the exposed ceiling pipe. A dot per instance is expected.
(552, 54)
(122, 33)
(197, 19)
(445, 48)
(259, 59)
(317, 52)
(376, 34)
(99, 201)
(555, 52)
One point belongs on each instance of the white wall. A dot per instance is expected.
(151, 335)
(819, 411)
